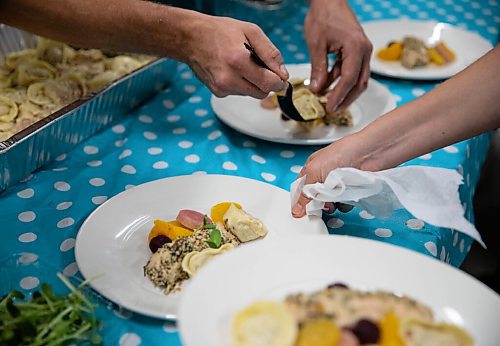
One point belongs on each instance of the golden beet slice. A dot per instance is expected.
(170, 229)
(217, 212)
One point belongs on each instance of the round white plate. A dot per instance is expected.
(245, 114)
(111, 246)
(468, 47)
(271, 270)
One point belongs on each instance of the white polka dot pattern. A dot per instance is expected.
(335, 223)
(155, 151)
(29, 282)
(130, 339)
(26, 193)
(67, 245)
(383, 232)
(176, 132)
(27, 237)
(62, 186)
(27, 216)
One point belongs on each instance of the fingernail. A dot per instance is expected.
(280, 86)
(297, 209)
(284, 70)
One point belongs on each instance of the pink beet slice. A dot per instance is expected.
(191, 218)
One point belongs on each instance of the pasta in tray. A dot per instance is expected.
(37, 82)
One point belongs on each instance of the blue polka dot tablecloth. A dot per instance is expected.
(177, 133)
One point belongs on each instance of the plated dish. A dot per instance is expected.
(310, 106)
(412, 52)
(247, 115)
(112, 244)
(39, 81)
(182, 246)
(421, 292)
(466, 47)
(338, 315)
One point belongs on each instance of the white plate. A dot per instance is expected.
(468, 47)
(112, 248)
(274, 269)
(245, 115)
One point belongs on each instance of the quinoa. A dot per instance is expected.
(164, 268)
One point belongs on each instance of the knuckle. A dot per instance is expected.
(217, 91)
(274, 53)
(235, 60)
(254, 28)
(222, 81)
(311, 166)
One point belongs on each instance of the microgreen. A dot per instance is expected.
(215, 239)
(48, 319)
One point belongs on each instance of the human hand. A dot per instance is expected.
(219, 58)
(342, 153)
(331, 27)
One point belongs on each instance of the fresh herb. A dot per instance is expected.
(215, 238)
(48, 319)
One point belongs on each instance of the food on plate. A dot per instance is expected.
(46, 318)
(217, 211)
(413, 53)
(311, 107)
(195, 259)
(192, 219)
(165, 232)
(281, 326)
(338, 315)
(182, 246)
(243, 225)
(37, 82)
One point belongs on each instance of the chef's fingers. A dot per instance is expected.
(319, 64)
(266, 50)
(349, 75)
(360, 86)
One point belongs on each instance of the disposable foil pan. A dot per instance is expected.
(44, 140)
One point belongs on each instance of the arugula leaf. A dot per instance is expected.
(215, 239)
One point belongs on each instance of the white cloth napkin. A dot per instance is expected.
(429, 193)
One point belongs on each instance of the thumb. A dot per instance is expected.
(299, 209)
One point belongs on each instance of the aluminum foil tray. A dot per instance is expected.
(44, 140)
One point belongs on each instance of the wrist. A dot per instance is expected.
(379, 146)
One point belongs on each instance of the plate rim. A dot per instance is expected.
(403, 21)
(419, 258)
(105, 294)
(391, 100)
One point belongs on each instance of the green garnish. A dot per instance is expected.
(215, 239)
(48, 319)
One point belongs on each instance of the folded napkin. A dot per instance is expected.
(429, 193)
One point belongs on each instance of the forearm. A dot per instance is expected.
(118, 25)
(460, 108)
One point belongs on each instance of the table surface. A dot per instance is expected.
(176, 133)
